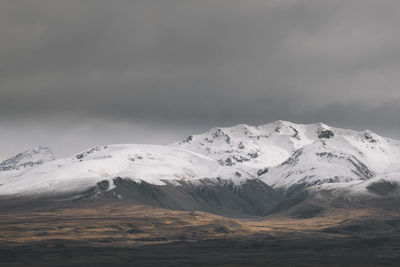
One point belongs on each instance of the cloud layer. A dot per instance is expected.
(198, 64)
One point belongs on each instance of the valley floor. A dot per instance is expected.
(126, 235)
(250, 251)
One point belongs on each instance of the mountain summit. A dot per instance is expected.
(290, 156)
(27, 159)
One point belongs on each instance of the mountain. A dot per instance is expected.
(233, 171)
(148, 163)
(161, 176)
(289, 156)
(27, 159)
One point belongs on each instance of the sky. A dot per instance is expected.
(80, 73)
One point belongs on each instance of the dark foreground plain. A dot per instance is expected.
(260, 250)
(122, 234)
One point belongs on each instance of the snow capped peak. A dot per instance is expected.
(321, 125)
(282, 154)
(370, 136)
(255, 147)
(27, 159)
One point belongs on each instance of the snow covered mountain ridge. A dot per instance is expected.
(287, 156)
(27, 159)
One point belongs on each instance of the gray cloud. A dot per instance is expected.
(195, 64)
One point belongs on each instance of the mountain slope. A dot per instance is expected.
(233, 171)
(150, 163)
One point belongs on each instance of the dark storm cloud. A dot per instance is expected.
(202, 62)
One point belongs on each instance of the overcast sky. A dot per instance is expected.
(74, 74)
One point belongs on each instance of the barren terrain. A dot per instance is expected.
(125, 234)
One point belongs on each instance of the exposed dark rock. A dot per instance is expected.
(326, 134)
(361, 169)
(104, 185)
(383, 187)
(328, 155)
(368, 136)
(240, 158)
(296, 133)
(188, 139)
(219, 133)
(226, 162)
(253, 155)
(262, 171)
(294, 158)
(88, 152)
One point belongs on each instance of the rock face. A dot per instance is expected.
(326, 134)
(27, 159)
(252, 198)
